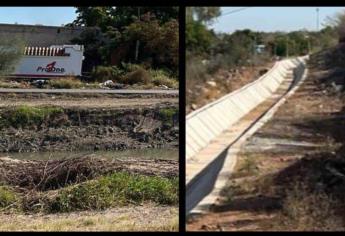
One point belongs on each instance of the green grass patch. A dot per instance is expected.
(117, 189)
(24, 115)
(7, 197)
(167, 114)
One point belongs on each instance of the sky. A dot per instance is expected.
(53, 16)
(254, 18)
(272, 18)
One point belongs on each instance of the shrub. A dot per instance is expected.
(139, 76)
(65, 83)
(168, 114)
(310, 211)
(104, 73)
(114, 190)
(129, 67)
(160, 77)
(11, 50)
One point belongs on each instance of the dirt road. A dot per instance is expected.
(101, 91)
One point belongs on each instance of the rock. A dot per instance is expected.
(263, 71)
(205, 62)
(111, 84)
(211, 83)
(337, 87)
(164, 86)
(39, 83)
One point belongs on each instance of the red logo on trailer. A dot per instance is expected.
(50, 68)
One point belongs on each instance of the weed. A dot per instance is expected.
(168, 115)
(7, 197)
(249, 166)
(65, 83)
(27, 115)
(139, 76)
(305, 210)
(104, 73)
(114, 190)
(160, 77)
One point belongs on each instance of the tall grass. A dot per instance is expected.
(25, 115)
(65, 83)
(117, 189)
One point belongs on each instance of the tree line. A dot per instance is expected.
(140, 35)
(207, 50)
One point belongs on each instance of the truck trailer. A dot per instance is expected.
(48, 62)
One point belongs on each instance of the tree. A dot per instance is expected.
(198, 37)
(115, 31)
(205, 15)
(11, 50)
(159, 43)
(338, 23)
(120, 17)
(94, 41)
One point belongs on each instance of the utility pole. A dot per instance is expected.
(317, 19)
(308, 42)
(287, 47)
(254, 50)
(137, 44)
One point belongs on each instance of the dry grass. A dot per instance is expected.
(146, 218)
(248, 165)
(65, 83)
(308, 211)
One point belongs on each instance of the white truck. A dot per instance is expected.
(53, 61)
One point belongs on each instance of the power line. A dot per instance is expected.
(233, 11)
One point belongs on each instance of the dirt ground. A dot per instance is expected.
(223, 82)
(102, 102)
(294, 146)
(136, 218)
(94, 124)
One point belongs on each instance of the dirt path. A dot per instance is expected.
(87, 102)
(253, 201)
(136, 218)
(77, 91)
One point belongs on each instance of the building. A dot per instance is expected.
(260, 48)
(40, 35)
